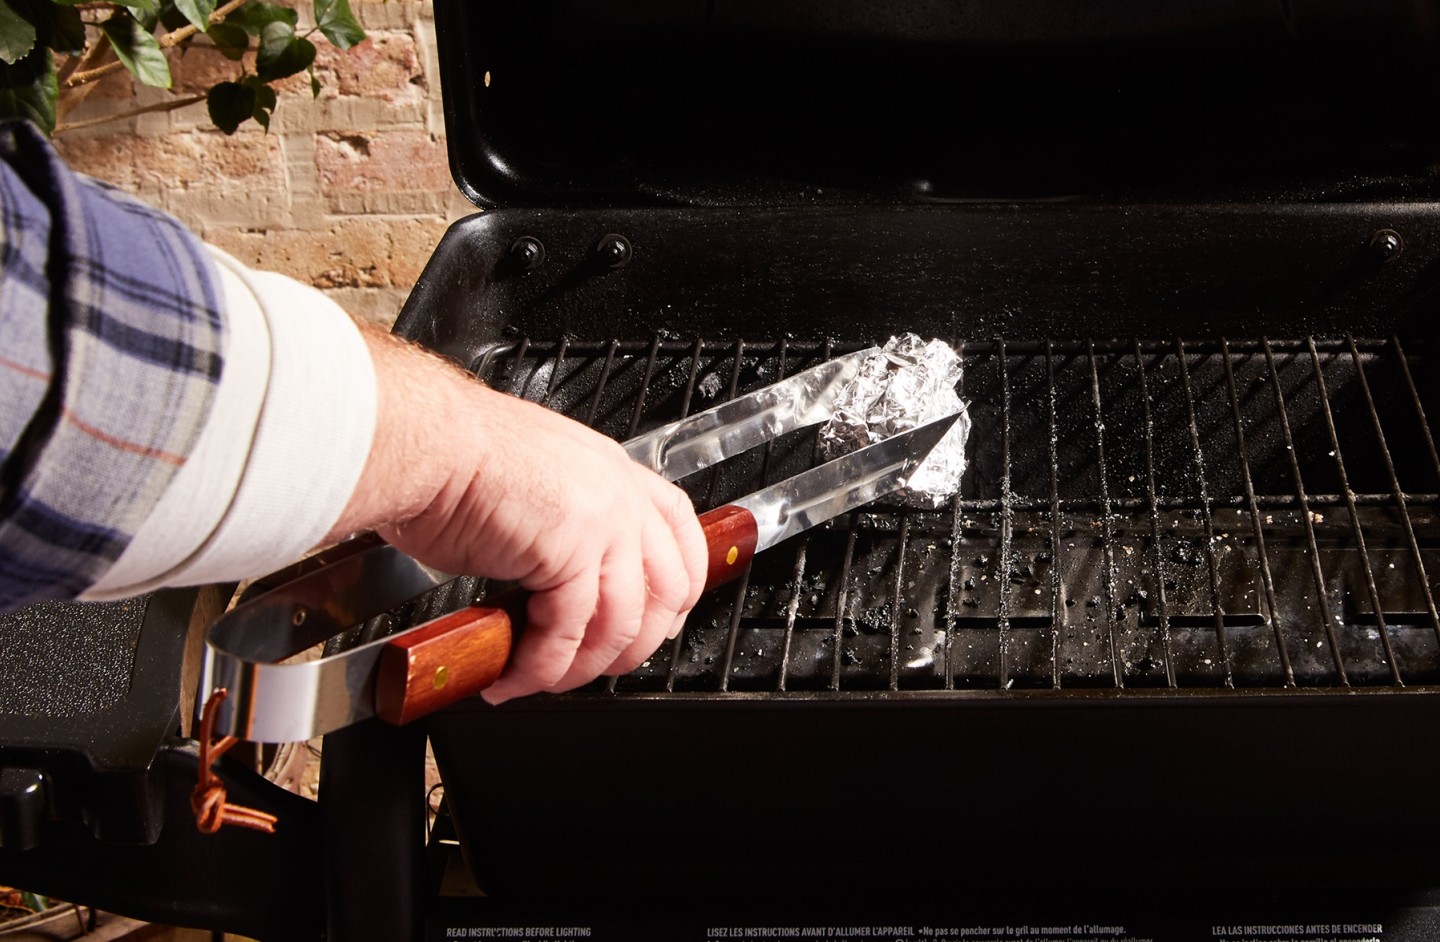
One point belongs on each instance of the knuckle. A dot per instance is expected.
(672, 590)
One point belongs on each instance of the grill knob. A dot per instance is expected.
(613, 250)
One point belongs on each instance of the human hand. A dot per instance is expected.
(475, 481)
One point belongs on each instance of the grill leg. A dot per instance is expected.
(372, 800)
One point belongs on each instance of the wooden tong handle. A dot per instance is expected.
(460, 654)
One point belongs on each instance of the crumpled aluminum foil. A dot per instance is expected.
(910, 382)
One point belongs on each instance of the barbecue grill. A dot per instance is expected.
(1170, 659)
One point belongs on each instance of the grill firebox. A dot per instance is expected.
(1151, 634)
(1156, 516)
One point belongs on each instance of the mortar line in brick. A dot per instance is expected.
(301, 177)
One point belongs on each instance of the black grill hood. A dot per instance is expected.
(743, 102)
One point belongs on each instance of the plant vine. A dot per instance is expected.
(53, 51)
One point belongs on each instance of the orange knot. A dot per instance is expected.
(207, 801)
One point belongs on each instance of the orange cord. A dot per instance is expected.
(212, 811)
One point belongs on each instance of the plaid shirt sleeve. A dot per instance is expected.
(111, 344)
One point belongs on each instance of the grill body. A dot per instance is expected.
(1174, 645)
(1139, 654)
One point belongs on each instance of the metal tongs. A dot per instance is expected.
(251, 695)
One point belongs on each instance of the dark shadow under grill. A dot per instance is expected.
(1160, 515)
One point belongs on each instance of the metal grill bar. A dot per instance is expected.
(1399, 494)
(1315, 568)
(733, 390)
(1014, 347)
(769, 451)
(1266, 579)
(1007, 515)
(793, 608)
(687, 397)
(743, 583)
(792, 611)
(842, 600)
(1356, 529)
(520, 350)
(896, 603)
(1057, 611)
(1205, 511)
(559, 368)
(797, 579)
(952, 591)
(600, 384)
(1106, 529)
(1234, 502)
(639, 409)
(1161, 591)
(693, 377)
(1404, 362)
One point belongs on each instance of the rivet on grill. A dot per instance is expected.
(299, 617)
(527, 253)
(613, 250)
(1386, 244)
(442, 677)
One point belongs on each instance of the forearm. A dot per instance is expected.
(472, 480)
(426, 410)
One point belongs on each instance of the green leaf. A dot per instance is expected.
(143, 6)
(338, 23)
(282, 53)
(197, 12)
(17, 34)
(231, 40)
(67, 33)
(314, 84)
(253, 17)
(28, 89)
(265, 99)
(138, 49)
(230, 103)
(170, 16)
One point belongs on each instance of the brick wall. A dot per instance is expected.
(350, 192)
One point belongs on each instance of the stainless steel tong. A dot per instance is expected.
(409, 674)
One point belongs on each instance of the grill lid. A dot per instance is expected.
(747, 101)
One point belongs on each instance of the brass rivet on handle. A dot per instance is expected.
(442, 676)
(733, 555)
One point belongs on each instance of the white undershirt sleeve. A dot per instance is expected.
(282, 449)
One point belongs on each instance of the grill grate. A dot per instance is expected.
(1162, 516)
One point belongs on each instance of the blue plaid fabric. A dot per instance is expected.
(111, 339)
